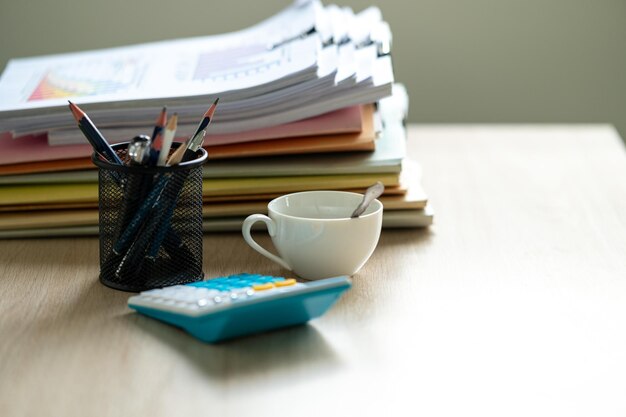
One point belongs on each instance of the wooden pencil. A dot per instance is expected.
(195, 141)
(93, 135)
(168, 137)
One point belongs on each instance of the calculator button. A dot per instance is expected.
(179, 296)
(242, 293)
(263, 287)
(205, 293)
(192, 298)
(205, 302)
(222, 298)
(152, 292)
(246, 276)
(285, 283)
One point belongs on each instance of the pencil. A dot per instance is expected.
(93, 135)
(206, 119)
(157, 136)
(195, 141)
(168, 137)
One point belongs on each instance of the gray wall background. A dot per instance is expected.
(491, 61)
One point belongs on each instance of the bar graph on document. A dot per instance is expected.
(237, 62)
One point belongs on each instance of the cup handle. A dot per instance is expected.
(271, 229)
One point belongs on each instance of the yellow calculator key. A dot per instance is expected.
(263, 287)
(285, 283)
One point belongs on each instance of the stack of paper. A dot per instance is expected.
(305, 103)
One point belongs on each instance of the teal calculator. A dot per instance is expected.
(226, 307)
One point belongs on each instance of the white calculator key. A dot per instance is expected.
(205, 292)
(241, 292)
(205, 302)
(222, 298)
(179, 296)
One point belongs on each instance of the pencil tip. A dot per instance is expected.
(162, 119)
(76, 111)
(211, 110)
(171, 124)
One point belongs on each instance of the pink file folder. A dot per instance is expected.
(35, 148)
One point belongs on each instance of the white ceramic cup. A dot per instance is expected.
(314, 234)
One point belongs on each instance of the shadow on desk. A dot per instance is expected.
(296, 349)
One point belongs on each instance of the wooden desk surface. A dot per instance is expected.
(513, 303)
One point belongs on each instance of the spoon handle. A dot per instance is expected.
(371, 194)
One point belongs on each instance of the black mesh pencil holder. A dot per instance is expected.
(150, 223)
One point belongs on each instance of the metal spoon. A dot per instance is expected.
(372, 193)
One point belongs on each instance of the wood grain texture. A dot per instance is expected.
(513, 303)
